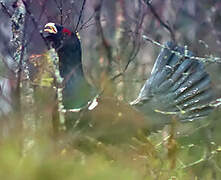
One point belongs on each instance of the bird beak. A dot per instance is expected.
(50, 28)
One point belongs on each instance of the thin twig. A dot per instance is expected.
(210, 59)
(79, 18)
(61, 11)
(60, 8)
(152, 9)
(35, 22)
(136, 43)
(87, 21)
(85, 26)
(5, 9)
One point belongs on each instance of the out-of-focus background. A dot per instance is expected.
(112, 38)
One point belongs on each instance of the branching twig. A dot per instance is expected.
(202, 159)
(152, 9)
(85, 24)
(79, 18)
(211, 59)
(35, 22)
(60, 8)
(61, 11)
(136, 43)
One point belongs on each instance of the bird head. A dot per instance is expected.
(55, 34)
(56, 30)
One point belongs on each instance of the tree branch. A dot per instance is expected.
(79, 18)
(6, 10)
(152, 9)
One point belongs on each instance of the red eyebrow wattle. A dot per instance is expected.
(65, 30)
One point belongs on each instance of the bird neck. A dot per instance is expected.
(76, 92)
(70, 59)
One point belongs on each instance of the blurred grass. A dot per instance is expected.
(111, 149)
(43, 163)
(85, 158)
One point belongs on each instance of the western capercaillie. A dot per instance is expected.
(178, 84)
(77, 91)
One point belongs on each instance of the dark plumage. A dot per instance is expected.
(178, 84)
(77, 92)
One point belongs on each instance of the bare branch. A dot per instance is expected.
(85, 24)
(152, 9)
(6, 10)
(210, 59)
(79, 18)
(35, 22)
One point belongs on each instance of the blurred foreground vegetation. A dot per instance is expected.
(157, 156)
(29, 148)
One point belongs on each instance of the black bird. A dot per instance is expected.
(178, 84)
(77, 91)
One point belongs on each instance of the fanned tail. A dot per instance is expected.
(178, 85)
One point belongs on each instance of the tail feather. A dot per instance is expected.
(196, 114)
(195, 80)
(194, 91)
(204, 97)
(175, 60)
(161, 77)
(195, 101)
(179, 84)
(172, 81)
(163, 58)
(181, 69)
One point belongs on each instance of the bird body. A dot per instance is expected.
(77, 91)
(178, 84)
